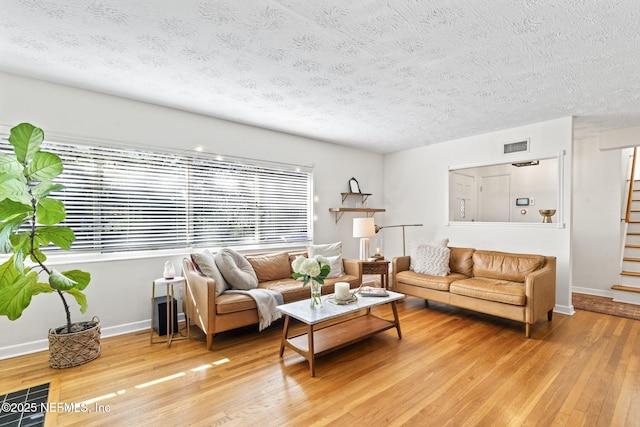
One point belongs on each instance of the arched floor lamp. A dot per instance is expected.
(380, 227)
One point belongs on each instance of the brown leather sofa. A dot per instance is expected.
(214, 314)
(519, 287)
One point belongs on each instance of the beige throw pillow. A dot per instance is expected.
(205, 263)
(236, 269)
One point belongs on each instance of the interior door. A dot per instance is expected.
(462, 203)
(494, 198)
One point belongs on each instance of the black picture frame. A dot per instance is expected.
(354, 187)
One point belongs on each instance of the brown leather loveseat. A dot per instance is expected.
(519, 287)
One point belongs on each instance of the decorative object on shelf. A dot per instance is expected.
(364, 228)
(31, 219)
(169, 270)
(404, 251)
(547, 214)
(360, 206)
(313, 270)
(354, 187)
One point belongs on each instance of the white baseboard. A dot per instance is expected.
(42, 345)
(595, 292)
(564, 309)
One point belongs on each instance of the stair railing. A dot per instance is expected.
(630, 195)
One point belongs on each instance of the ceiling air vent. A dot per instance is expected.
(516, 147)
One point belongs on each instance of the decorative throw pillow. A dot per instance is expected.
(236, 270)
(329, 250)
(336, 266)
(413, 248)
(205, 263)
(271, 266)
(433, 261)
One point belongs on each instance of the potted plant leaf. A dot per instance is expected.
(29, 222)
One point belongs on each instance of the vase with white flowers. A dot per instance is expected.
(312, 270)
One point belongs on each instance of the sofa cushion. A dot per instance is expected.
(430, 282)
(432, 260)
(461, 261)
(502, 291)
(232, 303)
(236, 269)
(505, 266)
(270, 266)
(205, 263)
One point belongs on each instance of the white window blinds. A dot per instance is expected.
(121, 199)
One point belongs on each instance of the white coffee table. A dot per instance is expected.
(322, 337)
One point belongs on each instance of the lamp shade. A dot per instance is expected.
(364, 227)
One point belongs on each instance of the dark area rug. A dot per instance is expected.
(606, 306)
(24, 407)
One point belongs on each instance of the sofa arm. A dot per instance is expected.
(352, 267)
(540, 290)
(200, 298)
(399, 263)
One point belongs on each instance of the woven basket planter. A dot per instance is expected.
(67, 350)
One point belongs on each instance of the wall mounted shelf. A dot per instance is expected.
(340, 211)
(363, 196)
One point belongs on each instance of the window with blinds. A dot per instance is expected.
(122, 199)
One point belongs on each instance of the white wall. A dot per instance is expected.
(597, 201)
(416, 189)
(120, 290)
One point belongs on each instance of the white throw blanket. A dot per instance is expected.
(266, 301)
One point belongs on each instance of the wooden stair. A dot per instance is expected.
(628, 289)
(625, 288)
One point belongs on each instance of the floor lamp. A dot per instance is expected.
(364, 228)
(378, 228)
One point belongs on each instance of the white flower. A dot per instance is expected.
(316, 269)
(310, 267)
(297, 263)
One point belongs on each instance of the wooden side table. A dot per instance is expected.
(376, 267)
(171, 314)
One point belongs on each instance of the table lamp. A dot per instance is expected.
(364, 228)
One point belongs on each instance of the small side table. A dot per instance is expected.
(377, 267)
(171, 314)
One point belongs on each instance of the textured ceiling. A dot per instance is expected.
(380, 75)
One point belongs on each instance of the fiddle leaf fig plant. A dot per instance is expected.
(30, 221)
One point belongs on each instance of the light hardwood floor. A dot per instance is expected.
(451, 368)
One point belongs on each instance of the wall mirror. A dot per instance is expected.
(520, 191)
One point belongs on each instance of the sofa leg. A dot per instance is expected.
(527, 330)
(209, 342)
(426, 303)
(550, 315)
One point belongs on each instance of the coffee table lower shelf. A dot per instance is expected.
(322, 340)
